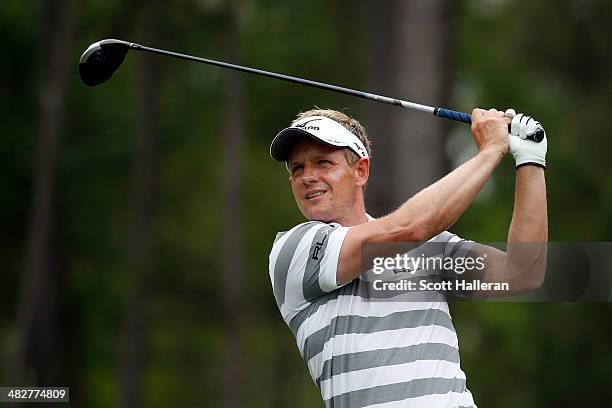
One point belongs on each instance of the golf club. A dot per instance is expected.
(101, 59)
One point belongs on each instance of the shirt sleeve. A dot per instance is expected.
(454, 247)
(303, 264)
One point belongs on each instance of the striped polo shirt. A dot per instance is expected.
(361, 351)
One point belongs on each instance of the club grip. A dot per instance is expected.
(453, 115)
(537, 137)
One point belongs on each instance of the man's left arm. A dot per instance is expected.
(523, 265)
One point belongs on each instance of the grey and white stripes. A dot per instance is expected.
(361, 351)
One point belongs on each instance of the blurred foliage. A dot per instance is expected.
(547, 58)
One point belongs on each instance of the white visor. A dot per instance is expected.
(321, 128)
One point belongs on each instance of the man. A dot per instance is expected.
(396, 353)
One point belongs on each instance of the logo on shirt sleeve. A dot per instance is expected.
(318, 246)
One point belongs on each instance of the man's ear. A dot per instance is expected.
(362, 171)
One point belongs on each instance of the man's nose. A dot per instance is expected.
(310, 175)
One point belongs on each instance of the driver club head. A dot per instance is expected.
(101, 59)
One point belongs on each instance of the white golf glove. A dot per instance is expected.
(526, 151)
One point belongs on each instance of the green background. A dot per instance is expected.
(132, 295)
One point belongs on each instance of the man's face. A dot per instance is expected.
(324, 185)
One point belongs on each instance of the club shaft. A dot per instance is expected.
(439, 112)
(321, 85)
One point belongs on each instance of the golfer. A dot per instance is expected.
(361, 351)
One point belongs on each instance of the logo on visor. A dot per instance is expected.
(303, 125)
(359, 149)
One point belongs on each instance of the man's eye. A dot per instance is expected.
(296, 168)
(322, 161)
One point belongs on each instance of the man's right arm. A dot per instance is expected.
(438, 206)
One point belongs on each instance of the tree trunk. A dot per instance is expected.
(36, 357)
(409, 59)
(144, 175)
(233, 230)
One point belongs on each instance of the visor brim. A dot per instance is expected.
(283, 142)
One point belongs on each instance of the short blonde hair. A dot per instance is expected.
(348, 122)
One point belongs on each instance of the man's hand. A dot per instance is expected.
(490, 130)
(526, 152)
